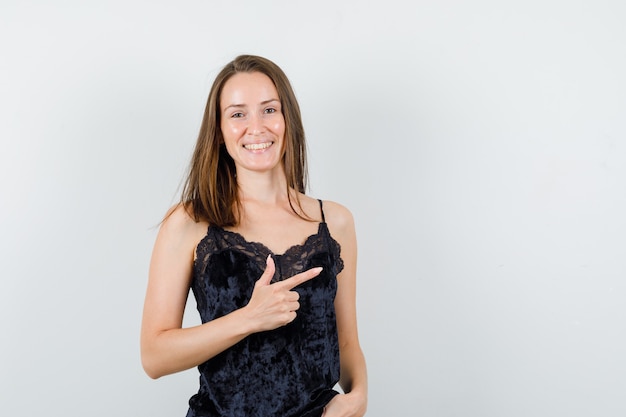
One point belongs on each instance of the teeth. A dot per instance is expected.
(257, 146)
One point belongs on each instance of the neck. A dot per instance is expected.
(266, 187)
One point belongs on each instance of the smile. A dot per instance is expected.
(258, 146)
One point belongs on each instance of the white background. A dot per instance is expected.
(480, 146)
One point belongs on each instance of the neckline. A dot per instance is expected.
(266, 250)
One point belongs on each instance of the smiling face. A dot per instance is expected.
(252, 122)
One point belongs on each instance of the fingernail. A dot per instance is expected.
(318, 269)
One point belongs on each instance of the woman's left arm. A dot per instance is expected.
(353, 379)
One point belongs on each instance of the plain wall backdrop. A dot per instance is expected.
(480, 146)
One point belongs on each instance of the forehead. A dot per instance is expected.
(247, 88)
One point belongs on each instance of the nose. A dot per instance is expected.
(256, 126)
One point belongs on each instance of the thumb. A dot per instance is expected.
(268, 274)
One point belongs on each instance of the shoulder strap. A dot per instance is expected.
(322, 211)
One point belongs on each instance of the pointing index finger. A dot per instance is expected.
(300, 278)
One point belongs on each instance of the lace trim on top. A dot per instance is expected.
(289, 263)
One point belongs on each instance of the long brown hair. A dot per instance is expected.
(210, 192)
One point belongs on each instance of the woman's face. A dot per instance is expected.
(252, 121)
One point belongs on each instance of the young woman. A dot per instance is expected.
(273, 270)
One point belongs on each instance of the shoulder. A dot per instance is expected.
(334, 212)
(178, 217)
(179, 227)
(339, 220)
(337, 214)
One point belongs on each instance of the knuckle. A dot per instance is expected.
(289, 317)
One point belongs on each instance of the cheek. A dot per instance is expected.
(279, 128)
(230, 131)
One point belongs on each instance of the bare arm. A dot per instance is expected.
(168, 348)
(353, 378)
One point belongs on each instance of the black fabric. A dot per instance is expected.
(289, 371)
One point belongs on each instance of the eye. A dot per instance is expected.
(270, 110)
(237, 115)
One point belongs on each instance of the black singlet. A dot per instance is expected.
(286, 372)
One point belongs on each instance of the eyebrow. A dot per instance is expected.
(264, 102)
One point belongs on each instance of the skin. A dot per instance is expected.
(253, 129)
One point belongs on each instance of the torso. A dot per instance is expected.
(289, 371)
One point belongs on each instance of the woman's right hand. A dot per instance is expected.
(275, 305)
